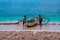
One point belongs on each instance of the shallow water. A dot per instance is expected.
(13, 10)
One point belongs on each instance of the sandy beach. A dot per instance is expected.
(29, 35)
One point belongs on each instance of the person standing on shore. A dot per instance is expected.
(24, 21)
(40, 20)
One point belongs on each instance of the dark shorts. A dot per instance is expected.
(24, 23)
(40, 22)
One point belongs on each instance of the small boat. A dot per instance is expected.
(31, 24)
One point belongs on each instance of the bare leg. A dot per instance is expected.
(23, 26)
(40, 26)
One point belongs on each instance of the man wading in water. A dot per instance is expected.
(24, 21)
(40, 20)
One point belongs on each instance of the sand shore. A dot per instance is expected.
(29, 35)
(37, 27)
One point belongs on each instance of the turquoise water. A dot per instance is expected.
(13, 10)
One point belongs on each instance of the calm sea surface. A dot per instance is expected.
(13, 10)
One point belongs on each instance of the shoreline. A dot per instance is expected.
(33, 30)
(15, 22)
(17, 27)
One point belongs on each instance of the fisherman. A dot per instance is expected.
(40, 20)
(24, 20)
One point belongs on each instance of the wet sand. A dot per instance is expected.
(16, 32)
(29, 35)
(37, 27)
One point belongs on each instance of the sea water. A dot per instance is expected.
(14, 10)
